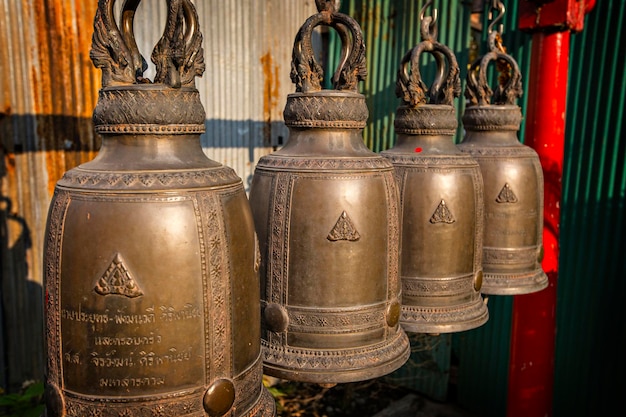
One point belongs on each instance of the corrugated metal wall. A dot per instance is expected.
(47, 93)
(591, 319)
(48, 89)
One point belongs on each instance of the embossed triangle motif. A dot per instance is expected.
(118, 280)
(442, 214)
(506, 195)
(344, 229)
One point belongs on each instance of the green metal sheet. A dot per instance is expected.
(591, 320)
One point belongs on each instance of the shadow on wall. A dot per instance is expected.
(21, 302)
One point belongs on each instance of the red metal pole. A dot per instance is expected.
(531, 364)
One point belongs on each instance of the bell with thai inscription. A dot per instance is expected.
(512, 177)
(441, 192)
(326, 214)
(151, 262)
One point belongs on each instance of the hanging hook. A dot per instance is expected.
(328, 5)
(428, 29)
(499, 6)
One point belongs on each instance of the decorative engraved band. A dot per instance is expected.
(514, 283)
(185, 403)
(496, 256)
(418, 163)
(273, 162)
(336, 321)
(492, 117)
(443, 314)
(84, 179)
(153, 129)
(427, 119)
(437, 287)
(326, 109)
(172, 110)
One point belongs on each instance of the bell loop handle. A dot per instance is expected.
(509, 88)
(446, 86)
(178, 56)
(307, 74)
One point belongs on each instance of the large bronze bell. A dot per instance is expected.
(151, 276)
(326, 214)
(441, 192)
(512, 176)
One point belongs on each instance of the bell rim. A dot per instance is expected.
(480, 317)
(514, 283)
(399, 343)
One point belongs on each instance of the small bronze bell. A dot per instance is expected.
(441, 192)
(326, 213)
(512, 176)
(151, 277)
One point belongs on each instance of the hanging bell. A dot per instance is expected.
(512, 176)
(151, 277)
(442, 198)
(326, 214)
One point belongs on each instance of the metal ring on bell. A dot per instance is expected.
(441, 194)
(327, 216)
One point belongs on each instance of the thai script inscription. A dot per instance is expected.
(144, 359)
(187, 312)
(167, 314)
(127, 340)
(124, 344)
(131, 382)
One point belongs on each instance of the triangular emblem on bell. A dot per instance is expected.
(506, 195)
(118, 280)
(512, 176)
(344, 229)
(326, 212)
(442, 199)
(442, 214)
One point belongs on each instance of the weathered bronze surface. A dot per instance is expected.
(327, 217)
(512, 176)
(152, 292)
(441, 195)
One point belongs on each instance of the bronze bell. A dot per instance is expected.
(441, 193)
(151, 262)
(326, 214)
(512, 176)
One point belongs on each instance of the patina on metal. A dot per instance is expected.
(441, 195)
(512, 175)
(151, 262)
(327, 217)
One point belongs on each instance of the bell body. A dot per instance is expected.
(513, 190)
(326, 214)
(151, 285)
(441, 196)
